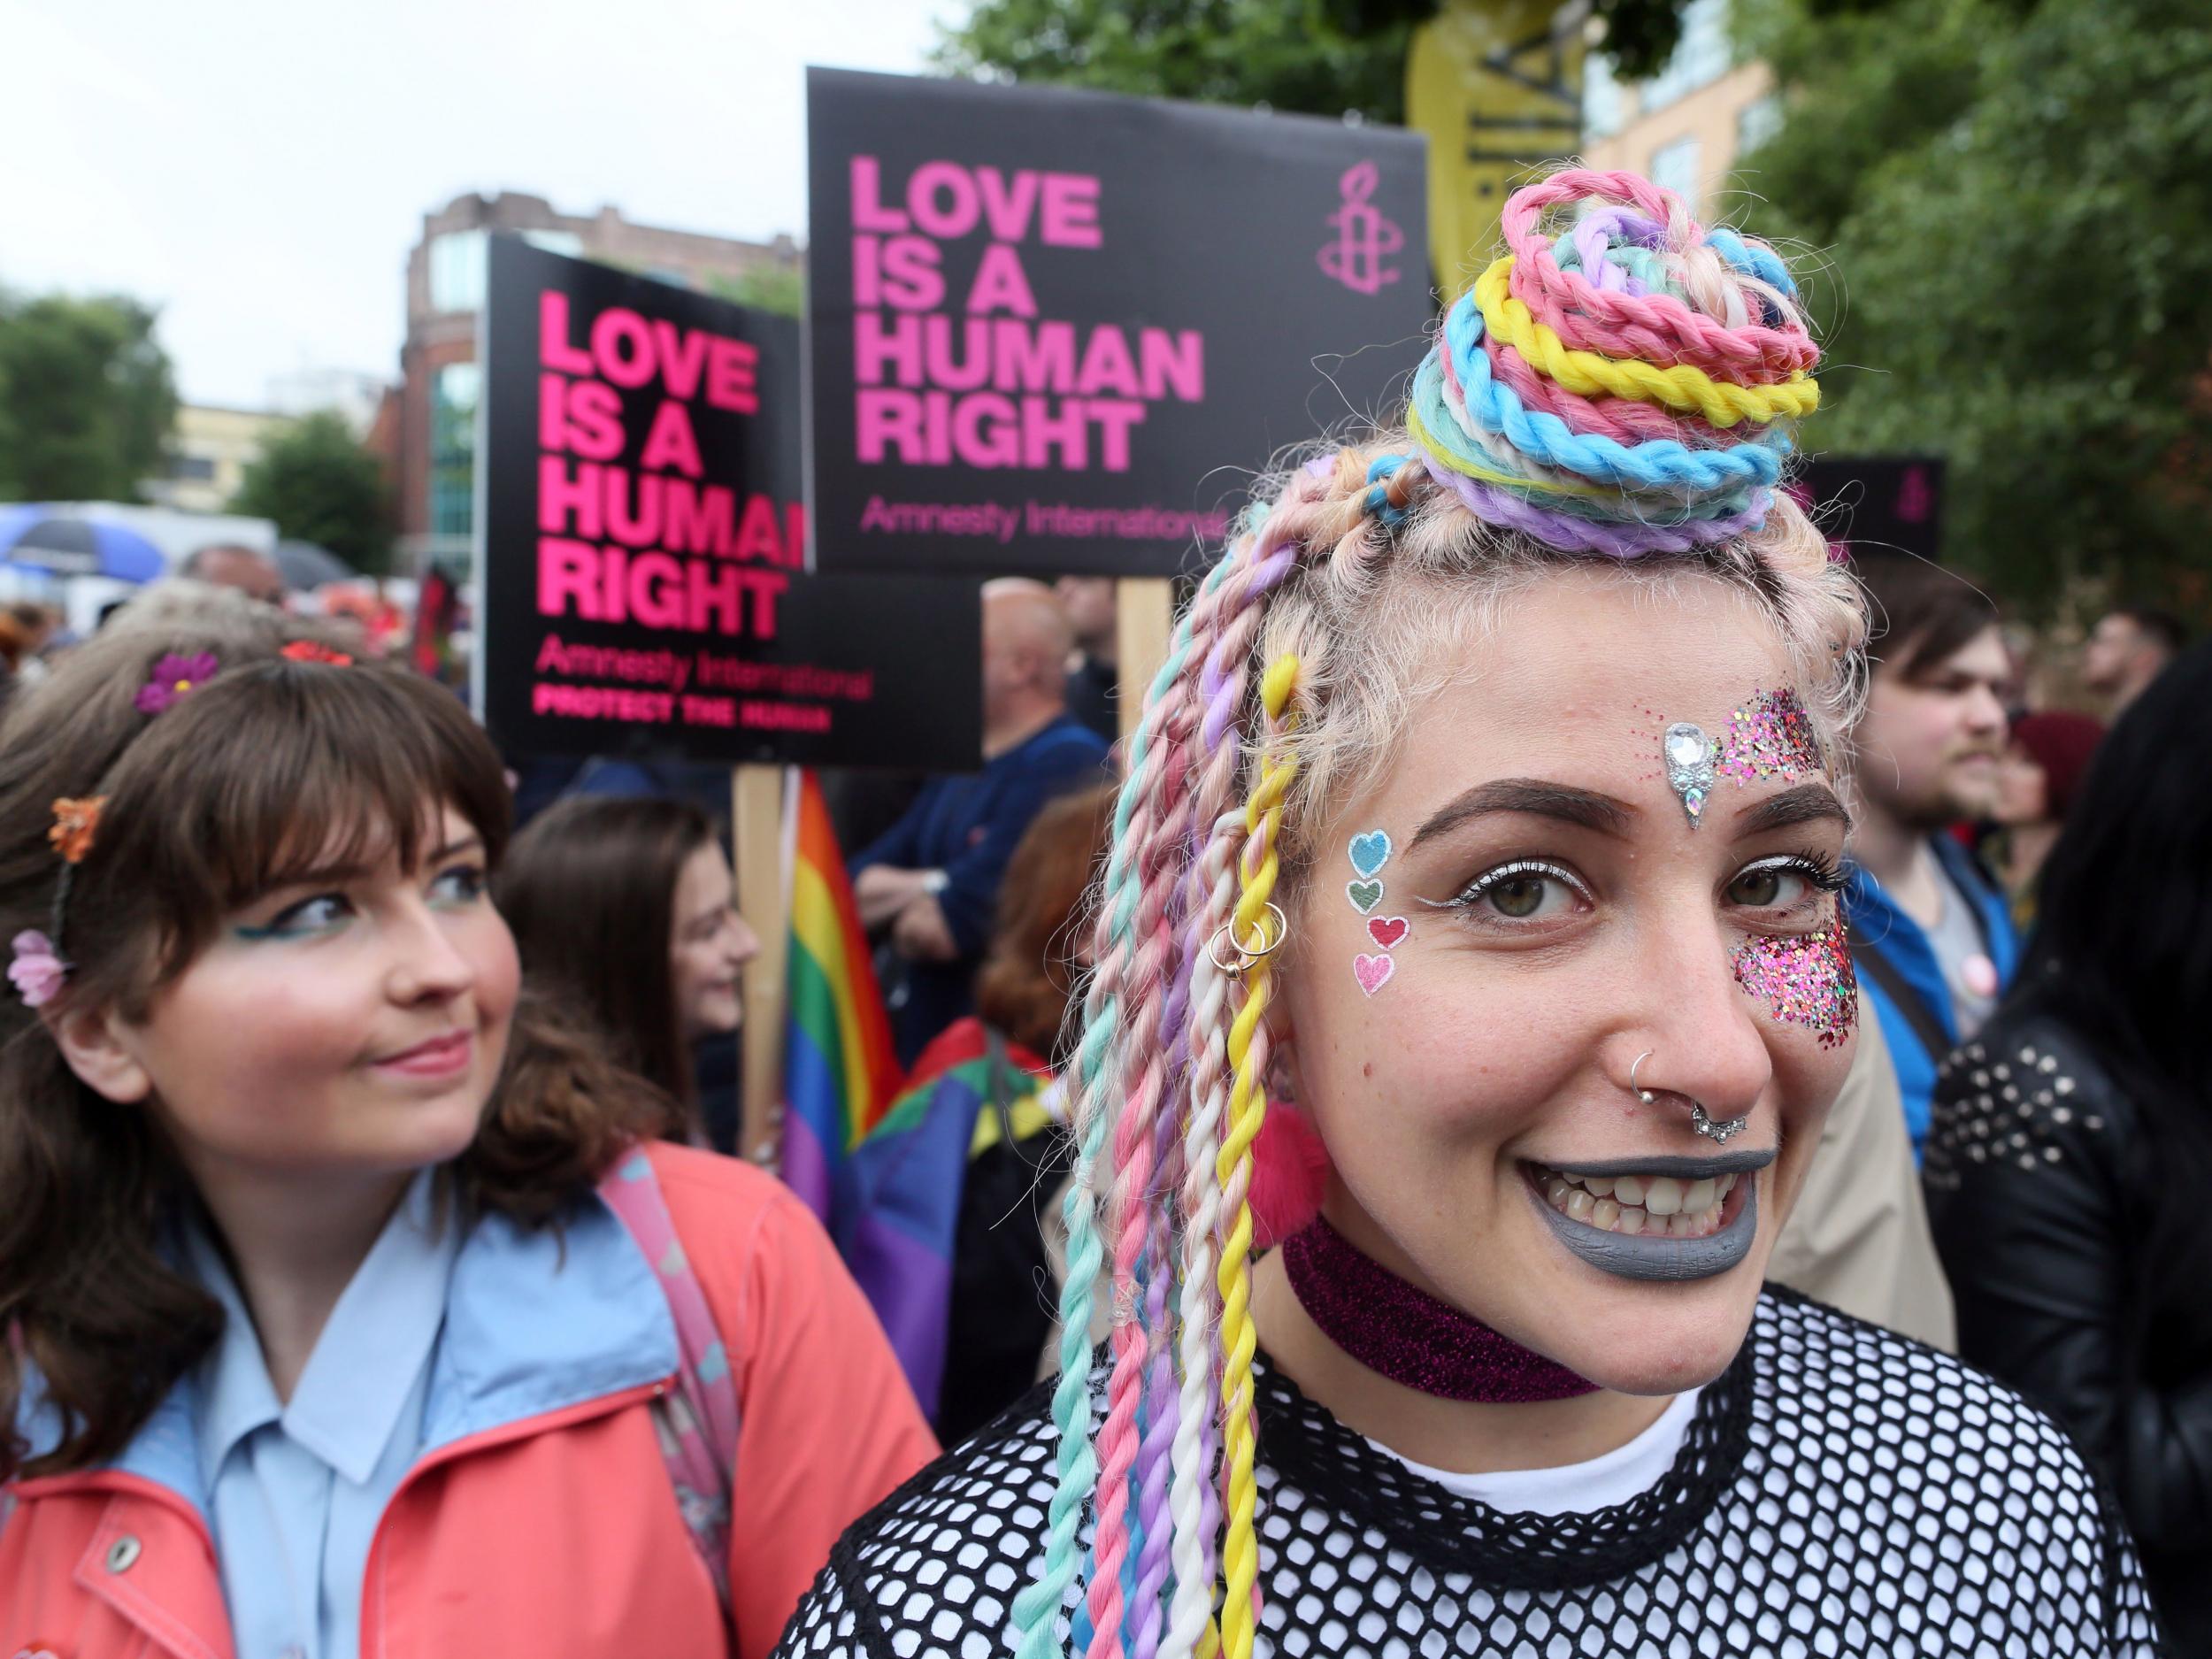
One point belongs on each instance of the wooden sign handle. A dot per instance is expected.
(1144, 614)
(763, 895)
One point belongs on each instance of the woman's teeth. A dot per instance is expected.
(1637, 1203)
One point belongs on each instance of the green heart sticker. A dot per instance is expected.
(1365, 895)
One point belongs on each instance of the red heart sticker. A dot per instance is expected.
(1386, 931)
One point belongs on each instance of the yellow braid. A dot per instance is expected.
(1253, 924)
(1589, 373)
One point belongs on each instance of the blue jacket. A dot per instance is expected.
(968, 825)
(1895, 961)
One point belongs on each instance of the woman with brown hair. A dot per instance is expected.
(346, 1304)
(621, 907)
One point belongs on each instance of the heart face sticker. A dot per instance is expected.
(1373, 972)
(1365, 895)
(1371, 852)
(1389, 931)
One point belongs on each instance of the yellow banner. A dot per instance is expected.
(1497, 87)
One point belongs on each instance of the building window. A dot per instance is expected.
(1601, 97)
(1756, 123)
(1674, 167)
(1701, 56)
(198, 469)
(453, 393)
(457, 271)
(568, 244)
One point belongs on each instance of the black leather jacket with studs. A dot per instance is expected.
(2032, 1178)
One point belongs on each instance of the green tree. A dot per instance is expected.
(1313, 57)
(86, 398)
(2010, 199)
(765, 287)
(322, 486)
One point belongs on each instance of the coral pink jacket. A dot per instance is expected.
(540, 1519)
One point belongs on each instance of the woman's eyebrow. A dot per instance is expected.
(1536, 797)
(1808, 803)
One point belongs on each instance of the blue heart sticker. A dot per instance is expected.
(1371, 852)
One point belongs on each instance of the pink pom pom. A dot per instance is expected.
(1290, 1172)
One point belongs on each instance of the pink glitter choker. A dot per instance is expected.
(1411, 1337)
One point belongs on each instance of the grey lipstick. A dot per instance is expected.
(1647, 1257)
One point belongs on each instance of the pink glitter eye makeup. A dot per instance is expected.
(1770, 740)
(1806, 980)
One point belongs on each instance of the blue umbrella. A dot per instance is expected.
(34, 538)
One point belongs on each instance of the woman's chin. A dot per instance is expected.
(1665, 1356)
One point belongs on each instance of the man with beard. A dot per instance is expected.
(2129, 648)
(1929, 929)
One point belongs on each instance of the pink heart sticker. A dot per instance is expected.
(1386, 931)
(1373, 972)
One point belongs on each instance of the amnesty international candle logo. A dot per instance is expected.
(1052, 332)
(1365, 238)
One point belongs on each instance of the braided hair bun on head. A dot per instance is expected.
(1621, 381)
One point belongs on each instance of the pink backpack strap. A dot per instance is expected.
(697, 1420)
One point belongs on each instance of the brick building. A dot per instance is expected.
(1687, 127)
(433, 430)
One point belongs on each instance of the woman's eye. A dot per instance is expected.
(1523, 893)
(464, 883)
(1779, 884)
(1521, 896)
(317, 914)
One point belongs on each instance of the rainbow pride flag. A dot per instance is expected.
(839, 1073)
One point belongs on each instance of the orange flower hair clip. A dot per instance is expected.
(75, 823)
(309, 651)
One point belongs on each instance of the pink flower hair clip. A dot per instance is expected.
(37, 971)
(175, 677)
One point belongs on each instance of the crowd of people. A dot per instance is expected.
(1578, 1073)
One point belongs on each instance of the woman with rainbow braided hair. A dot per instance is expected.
(1490, 804)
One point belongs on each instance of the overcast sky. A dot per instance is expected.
(259, 168)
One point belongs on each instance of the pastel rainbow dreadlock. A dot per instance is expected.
(1621, 382)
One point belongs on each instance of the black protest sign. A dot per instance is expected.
(1872, 504)
(642, 546)
(1058, 332)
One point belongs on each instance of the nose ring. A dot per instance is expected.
(1701, 1122)
(1643, 1095)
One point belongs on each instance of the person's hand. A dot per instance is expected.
(880, 892)
(922, 933)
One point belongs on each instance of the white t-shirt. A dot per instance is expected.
(1625, 1472)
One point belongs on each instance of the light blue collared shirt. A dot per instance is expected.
(295, 1490)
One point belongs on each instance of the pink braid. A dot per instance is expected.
(1224, 623)
(1657, 328)
(1129, 1210)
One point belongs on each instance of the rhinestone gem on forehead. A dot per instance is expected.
(1689, 755)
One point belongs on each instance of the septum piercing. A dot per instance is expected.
(1701, 1121)
(1716, 1131)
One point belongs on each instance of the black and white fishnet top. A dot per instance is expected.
(1843, 1491)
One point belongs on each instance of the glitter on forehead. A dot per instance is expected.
(1770, 740)
(1807, 981)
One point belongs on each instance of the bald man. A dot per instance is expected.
(933, 877)
(228, 565)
